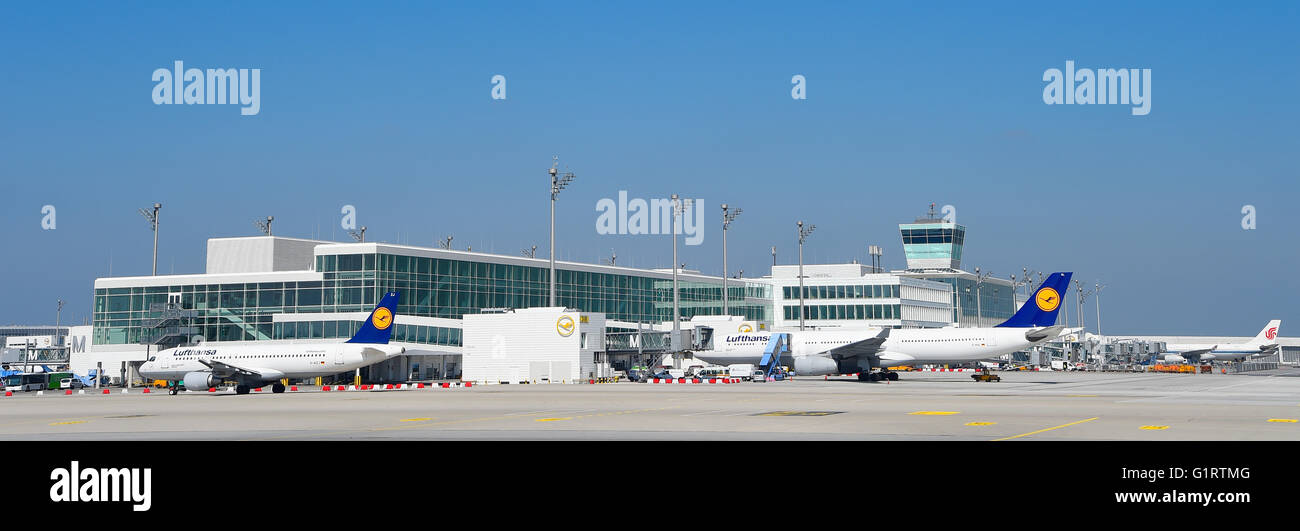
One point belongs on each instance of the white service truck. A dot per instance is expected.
(744, 371)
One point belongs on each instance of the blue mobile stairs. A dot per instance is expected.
(777, 344)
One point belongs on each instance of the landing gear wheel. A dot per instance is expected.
(172, 391)
(864, 376)
(277, 388)
(242, 389)
(875, 377)
(893, 376)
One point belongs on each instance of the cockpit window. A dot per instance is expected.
(151, 358)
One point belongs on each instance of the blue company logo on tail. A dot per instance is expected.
(1041, 309)
(378, 329)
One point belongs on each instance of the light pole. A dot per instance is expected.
(877, 253)
(265, 226)
(678, 207)
(557, 183)
(153, 223)
(979, 281)
(1015, 292)
(773, 256)
(58, 321)
(803, 235)
(728, 216)
(1083, 295)
(1097, 293)
(358, 236)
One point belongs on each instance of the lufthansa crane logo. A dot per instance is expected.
(1047, 299)
(745, 329)
(564, 326)
(382, 319)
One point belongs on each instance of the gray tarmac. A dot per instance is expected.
(921, 406)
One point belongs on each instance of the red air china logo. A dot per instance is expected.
(1271, 333)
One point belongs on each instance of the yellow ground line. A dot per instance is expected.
(1154, 428)
(418, 419)
(1284, 420)
(934, 413)
(554, 419)
(69, 422)
(980, 423)
(1047, 429)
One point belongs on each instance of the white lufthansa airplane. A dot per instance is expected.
(203, 367)
(1263, 344)
(820, 352)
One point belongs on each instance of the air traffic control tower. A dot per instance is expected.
(932, 243)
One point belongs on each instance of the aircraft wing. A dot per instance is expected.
(226, 370)
(866, 347)
(1197, 352)
(1039, 334)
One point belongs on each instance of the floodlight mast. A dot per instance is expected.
(803, 235)
(558, 183)
(728, 216)
(265, 226)
(152, 217)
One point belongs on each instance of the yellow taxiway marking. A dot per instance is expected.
(554, 419)
(1154, 428)
(68, 422)
(417, 419)
(980, 423)
(1283, 420)
(934, 413)
(1047, 429)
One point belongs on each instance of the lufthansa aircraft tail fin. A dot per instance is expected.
(1040, 310)
(378, 329)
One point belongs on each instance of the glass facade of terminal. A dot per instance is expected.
(430, 287)
(844, 311)
(428, 335)
(859, 291)
(996, 301)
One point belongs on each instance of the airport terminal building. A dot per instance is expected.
(284, 289)
(269, 288)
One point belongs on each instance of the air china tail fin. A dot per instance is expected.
(1040, 310)
(378, 329)
(1268, 335)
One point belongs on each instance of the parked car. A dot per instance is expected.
(71, 383)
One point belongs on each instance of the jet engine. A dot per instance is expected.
(1174, 358)
(815, 366)
(200, 381)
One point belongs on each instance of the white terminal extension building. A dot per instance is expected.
(485, 317)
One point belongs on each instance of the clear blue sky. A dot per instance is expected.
(387, 107)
